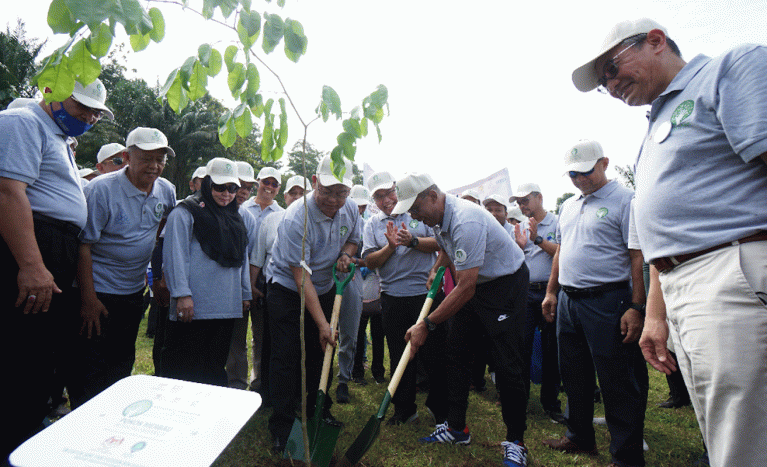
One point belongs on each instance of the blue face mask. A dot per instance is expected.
(71, 126)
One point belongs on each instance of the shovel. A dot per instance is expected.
(322, 434)
(369, 433)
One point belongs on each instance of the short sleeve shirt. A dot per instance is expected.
(324, 238)
(537, 260)
(593, 235)
(33, 150)
(406, 271)
(473, 238)
(121, 228)
(250, 226)
(699, 178)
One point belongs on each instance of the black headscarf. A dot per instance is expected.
(220, 230)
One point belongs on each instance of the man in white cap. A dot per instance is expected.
(599, 310)
(110, 158)
(489, 295)
(195, 183)
(471, 195)
(496, 205)
(43, 210)
(331, 239)
(707, 140)
(402, 249)
(537, 238)
(125, 209)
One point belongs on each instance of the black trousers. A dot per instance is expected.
(377, 337)
(30, 342)
(498, 307)
(98, 362)
(285, 360)
(550, 383)
(197, 351)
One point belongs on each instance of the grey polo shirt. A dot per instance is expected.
(121, 228)
(250, 227)
(537, 260)
(472, 238)
(267, 233)
(406, 271)
(703, 184)
(34, 150)
(324, 238)
(593, 235)
(258, 213)
(509, 228)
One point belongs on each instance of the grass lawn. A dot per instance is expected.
(672, 434)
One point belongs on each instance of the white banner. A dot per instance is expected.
(497, 183)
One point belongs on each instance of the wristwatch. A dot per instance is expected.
(640, 307)
(413, 242)
(538, 240)
(429, 325)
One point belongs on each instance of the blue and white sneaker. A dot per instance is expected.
(445, 434)
(514, 454)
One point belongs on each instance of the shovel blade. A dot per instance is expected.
(364, 441)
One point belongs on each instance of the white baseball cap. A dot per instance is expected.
(20, 102)
(245, 172)
(94, 96)
(408, 188)
(84, 172)
(497, 198)
(199, 172)
(148, 139)
(299, 181)
(524, 190)
(380, 181)
(109, 150)
(586, 77)
(268, 172)
(222, 171)
(583, 156)
(471, 192)
(360, 195)
(327, 177)
(515, 213)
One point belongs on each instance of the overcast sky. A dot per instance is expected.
(473, 86)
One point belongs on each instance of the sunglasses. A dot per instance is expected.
(267, 182)
(230, 187)
(574, 174)
(610, 69)
(98, 113)
(116, 160)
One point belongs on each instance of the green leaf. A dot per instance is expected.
(380, 96)
(346, 141)
(208, 7)
(60, 19)
(198, 81)
(283, 137)
(378, 130)
(364, 127)
(214, 65)
(352, 127)
(243, 123)
(58, 78)
(186, 69)
(129, 13)
(254, 80)
(82, 64)
(227, 7)
(168, 83)
(277, 153)
(274, 29)
(236, 79)
(355, 113)
(245, 4)
(257, 105)
(203, 53)
(332, 101)
(267, 140)
(226, 131)
(139, 42)
(158, 25)
(337, 162)
(295, 40)
(248, 28)
(268, 108)
(229, 55)
(100, 41)
(281, 3)
(177, 98)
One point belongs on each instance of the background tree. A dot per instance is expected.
(17, 63)
(627, 175)
(561, 200)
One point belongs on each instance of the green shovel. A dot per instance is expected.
(369, 433)
(322, 434)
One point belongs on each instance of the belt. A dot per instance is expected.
(538, 285)
(596, 290)
(670, 262)
(66, 227)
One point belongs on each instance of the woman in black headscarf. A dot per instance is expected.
(207, 273)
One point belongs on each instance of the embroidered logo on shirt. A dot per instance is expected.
(550, 236)
(602, 213)
(413, 224)
(682, 111)
(122, 218)
(460, 256)
(344, 229)
(159, 210)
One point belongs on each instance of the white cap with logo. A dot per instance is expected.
(586, 77)
(109, 150)
(583, 156)
(380, 181)
(222, 171)
(199, 172)
(149, 139)
(93, 95)
(270, 172)
(245, 172)
(408, 189)
(524, 190)
(495, 197)
(298, 181)
(327, 177)
(360, 195)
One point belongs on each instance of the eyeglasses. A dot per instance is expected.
(379, 194)
(416, 210)
(341, 195)
(574, 174)
(246, 187)
(523, 201)
(610, 69)
(230, 187)
(116, 160)
(273, 184)
(98, 113)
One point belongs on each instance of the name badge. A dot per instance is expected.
(664, 129)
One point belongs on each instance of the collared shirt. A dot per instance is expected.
(324, 238)
(593, 237)
(217, 292)
(34, 150)
(472, 238)
(121, 228)
(701, 183)
(406, 271)
(250, 227)
(537, 260)
(267, 233)
(509, 228)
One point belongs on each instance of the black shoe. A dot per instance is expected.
(360, 380)
(278, 445)
(379, 379)
(672, 403)
(328, 418)
(402, 419)
(342, 393)
(556, 416)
